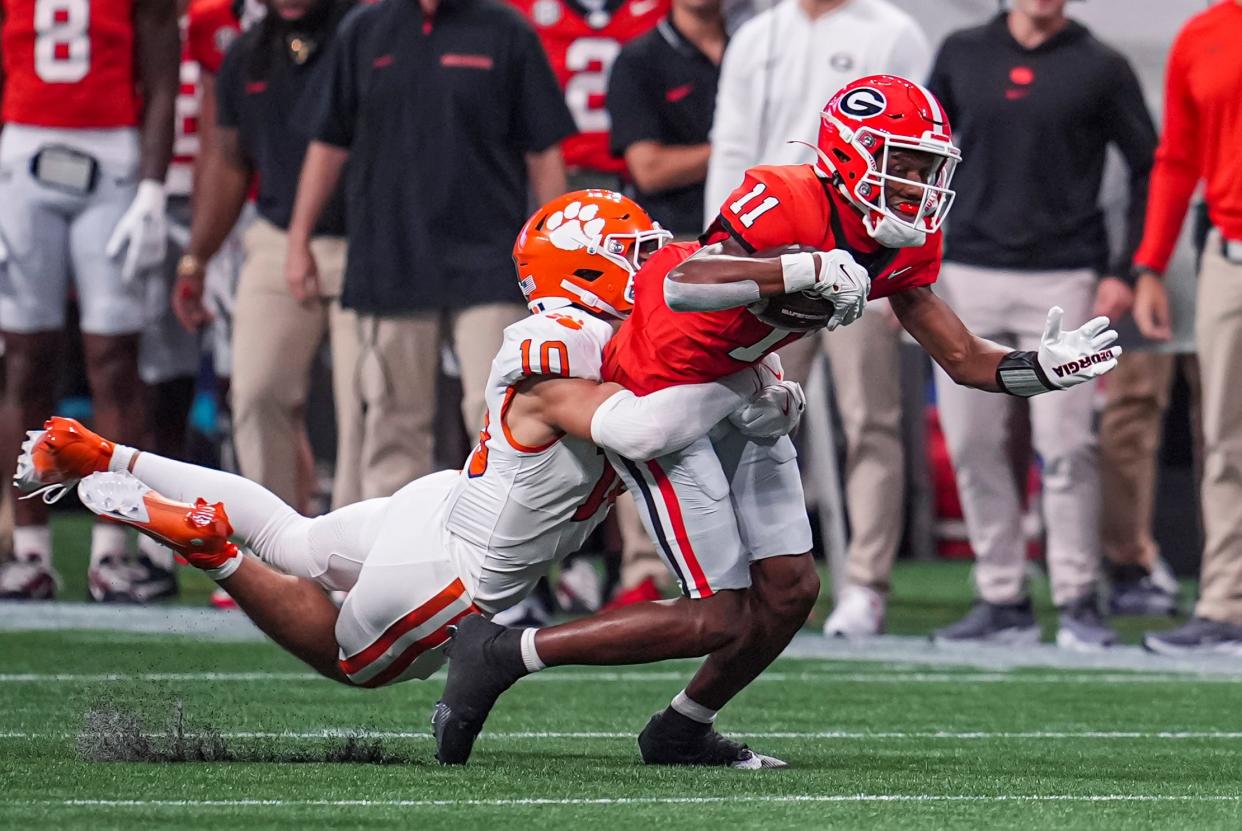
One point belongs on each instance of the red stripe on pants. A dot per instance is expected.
(679, 529)
(413, 620)
(415, 649)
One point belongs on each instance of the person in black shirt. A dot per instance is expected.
(275, 334)
(661, 95)
(445, 110)
(1034, 100)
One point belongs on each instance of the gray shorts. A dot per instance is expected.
(52, 234)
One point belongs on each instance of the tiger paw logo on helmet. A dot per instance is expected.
(582, 249)
(576, 226)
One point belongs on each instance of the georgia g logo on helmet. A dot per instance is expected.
(863, 102)
(885, 144)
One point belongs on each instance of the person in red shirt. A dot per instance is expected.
(89, 92)
(1202, 134)
(871, 208)
(582, 38)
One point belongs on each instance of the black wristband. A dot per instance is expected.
(1020, 374)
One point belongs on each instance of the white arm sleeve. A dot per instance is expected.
(709, 297)
(647, 427)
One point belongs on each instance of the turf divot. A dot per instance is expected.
(113, 734)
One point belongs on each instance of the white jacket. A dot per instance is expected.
(780, 70)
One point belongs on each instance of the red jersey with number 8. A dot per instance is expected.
(70, 63)
(775, 206)
(582, 43)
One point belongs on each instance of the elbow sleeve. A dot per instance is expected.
(621, 425)
(708, 297)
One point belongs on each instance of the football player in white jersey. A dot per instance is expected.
(454, 542)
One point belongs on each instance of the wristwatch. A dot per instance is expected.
(189, 266)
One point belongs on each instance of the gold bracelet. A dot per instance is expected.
(189, 266)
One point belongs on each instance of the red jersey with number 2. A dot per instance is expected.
(70, 63)
(581, 45)
(774, 207)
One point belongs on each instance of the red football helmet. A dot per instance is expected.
(864, 125)
(582, 249)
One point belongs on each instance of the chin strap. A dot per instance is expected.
(892, 234)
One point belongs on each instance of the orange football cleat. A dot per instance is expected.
(55, 458)
(199, 532)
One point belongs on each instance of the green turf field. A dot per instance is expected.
(873, 745)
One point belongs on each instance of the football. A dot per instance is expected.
(797, 312)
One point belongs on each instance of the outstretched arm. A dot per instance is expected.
(1064, 360)
(966, 358)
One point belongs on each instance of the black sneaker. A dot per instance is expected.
(1197, 636)
(1010, 624)
(672, 739)
(1139, 592)
(484, 660)
(115, 578)
(1082, 628)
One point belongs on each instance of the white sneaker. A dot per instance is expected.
(859, 614)
(578, 590)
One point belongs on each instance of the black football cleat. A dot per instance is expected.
(485, 659)
(672, 739)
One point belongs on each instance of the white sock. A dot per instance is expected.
(121, 457)
(692, 709)
(160, 555)
(33, 542)
(108, 539)
(530, 656)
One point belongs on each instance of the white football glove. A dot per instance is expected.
(142, 232)
(1070, 358)
(832, 275)
(774, 412)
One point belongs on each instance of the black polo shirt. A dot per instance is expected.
(438, 113)
(1033, 126)
(260, 98)
(663, 89)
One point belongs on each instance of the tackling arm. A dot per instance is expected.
(637, 427)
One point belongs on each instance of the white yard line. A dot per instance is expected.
(618, 801)
(343, 732)
(662, 676)
(210, 625)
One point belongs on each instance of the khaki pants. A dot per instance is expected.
(865, 361)
(1130, 430)
(275, 340)
(1218, 335)
(398, 361)
(1012, 307)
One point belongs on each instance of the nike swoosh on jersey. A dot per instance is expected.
(643, 7)
(895, 273)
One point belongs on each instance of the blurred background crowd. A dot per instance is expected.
(291, 257)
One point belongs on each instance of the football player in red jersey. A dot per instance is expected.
(872, 207)
(582, 39)
(89, 89)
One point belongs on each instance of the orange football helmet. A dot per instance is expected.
(582, 249)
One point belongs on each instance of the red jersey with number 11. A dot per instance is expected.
(70, 63)
(774, 207)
